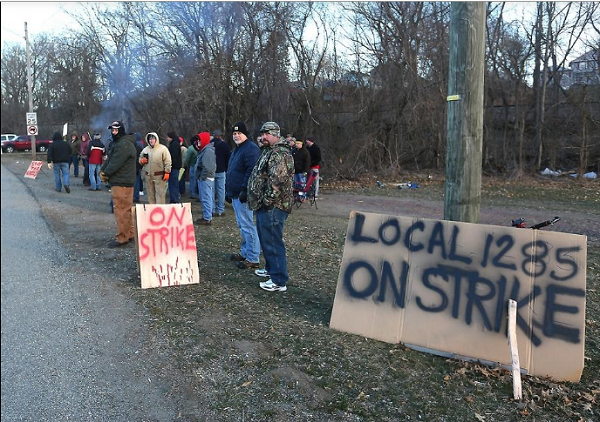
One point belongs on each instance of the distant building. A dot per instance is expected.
(585, 69)
(582, 71)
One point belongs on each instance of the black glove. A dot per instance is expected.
(243, 196)
(228, 199)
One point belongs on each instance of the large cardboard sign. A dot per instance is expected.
(444, 286)
(166, 245)
(34, 169)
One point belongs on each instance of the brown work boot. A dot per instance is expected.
(244, 265)
(236, 257)
(203, 222)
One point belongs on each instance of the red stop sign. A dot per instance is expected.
(32, 129)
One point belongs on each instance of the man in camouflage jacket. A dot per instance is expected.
(270, 196)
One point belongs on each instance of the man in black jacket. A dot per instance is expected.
(176, 163)
(119, 171)
(222, 153)
(59, 155)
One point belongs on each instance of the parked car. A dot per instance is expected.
(7, 137)
(23, 143)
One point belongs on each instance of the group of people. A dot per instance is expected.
(256, 178)
(305, 160)
(61, 155)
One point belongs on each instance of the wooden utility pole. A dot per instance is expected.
(29, 89)
(465, 112)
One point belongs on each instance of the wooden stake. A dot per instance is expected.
(514, 351)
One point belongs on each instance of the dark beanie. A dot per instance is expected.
(57, 136)
(239, 127)
(173, 135)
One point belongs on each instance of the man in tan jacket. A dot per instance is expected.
(156, 160)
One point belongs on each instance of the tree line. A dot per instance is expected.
(368, 80)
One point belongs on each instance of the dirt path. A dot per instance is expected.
(339, 205)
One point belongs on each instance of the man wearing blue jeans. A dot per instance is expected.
(242, 161)
(270, 195)
(205, 175)
(59, 155)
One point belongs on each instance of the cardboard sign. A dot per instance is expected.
(444, 286)
(165, 245)
(34, 169)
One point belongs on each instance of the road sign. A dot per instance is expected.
(32, 130)
(31, 118)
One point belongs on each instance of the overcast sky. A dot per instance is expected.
(52, 17)
(40, 17)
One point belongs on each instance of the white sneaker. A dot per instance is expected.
(271, 287)
(262, 273)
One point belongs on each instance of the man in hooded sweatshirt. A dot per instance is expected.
(59, 155)
(156, 161)
(176, 162)
(206, 165)
(119, 171)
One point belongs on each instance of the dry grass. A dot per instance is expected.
(257, 356)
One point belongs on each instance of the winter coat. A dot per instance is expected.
(315, 155)
(75, 146)
(223, 154)
(270, 184)
(242, 161)
(95, 151)
(159, 158)
(175, 150)
(189, 160)
(83, 146)
(206, 163)
(120, 166)
(301, 160)
(59, 151)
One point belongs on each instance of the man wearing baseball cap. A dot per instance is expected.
(270, 195)
(119, 171)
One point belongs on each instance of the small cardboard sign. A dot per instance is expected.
(445, 286)
(34, 169)
(165, 245)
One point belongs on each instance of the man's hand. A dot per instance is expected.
(50, 166)
(166, 176)
(103, 177)
(144, 161)
(243, 196)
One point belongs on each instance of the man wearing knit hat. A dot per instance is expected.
(270, 195)
(119, 171)
(242, 161)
